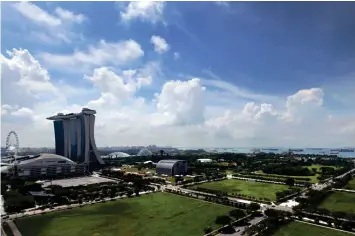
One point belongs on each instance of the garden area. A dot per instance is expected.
(150, 215)
(297, 228)
(233, 187)
(340, 202)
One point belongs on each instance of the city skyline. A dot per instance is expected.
(211, 74)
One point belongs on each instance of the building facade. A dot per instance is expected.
(45, 165)
(74, 136)
(172, 167)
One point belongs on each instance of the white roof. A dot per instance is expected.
(46, 156)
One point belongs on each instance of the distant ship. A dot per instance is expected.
(346, 150)
(295, 150)
(271, 149)
(332, 152)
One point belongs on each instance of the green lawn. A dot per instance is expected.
(296, 228)
(351, 184)
(249, 188)
(149, 215)
(339, 201)
(313, 178)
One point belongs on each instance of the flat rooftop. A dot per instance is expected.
(77, 181)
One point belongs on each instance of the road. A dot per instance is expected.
(240, 229)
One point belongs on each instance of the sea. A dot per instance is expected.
(319, 151)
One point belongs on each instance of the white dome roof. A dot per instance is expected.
(118, 155)
(144, 152)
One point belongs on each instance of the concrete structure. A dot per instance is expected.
(172, 167)
(144, 152)
(44, 165)
(118, 155)
(74, 136)
(204, 160)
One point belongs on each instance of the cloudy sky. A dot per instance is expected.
(213, 74)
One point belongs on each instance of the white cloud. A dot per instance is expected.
(181, 102)
(148, 11)
(160, 44)
(176, 55)
(69, 16)
(180, 114)
(49, 27)
(104, 53)
(36, 14)
(222, 3)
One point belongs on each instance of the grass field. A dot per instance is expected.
(313, 178)
(340, 201)
(149, 215)
(351, 184)
(296, 228)
(249, 188)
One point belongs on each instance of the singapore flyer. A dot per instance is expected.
(12, 143)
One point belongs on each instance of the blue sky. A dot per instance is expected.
(241, 52)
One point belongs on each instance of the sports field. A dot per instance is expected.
(149, 215)
(340, 201)
(250, 188)
(296, 228)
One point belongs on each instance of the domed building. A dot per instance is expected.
(144, 152)
(45, 164)
(118, 155)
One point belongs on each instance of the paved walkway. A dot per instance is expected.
(14, 228)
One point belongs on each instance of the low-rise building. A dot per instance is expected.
(172, 167)
(45, 164)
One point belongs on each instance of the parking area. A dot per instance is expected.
(87, 180)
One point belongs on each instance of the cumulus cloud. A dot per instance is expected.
(178, 114)
(181, 102)
(160, 44)
(147, 11)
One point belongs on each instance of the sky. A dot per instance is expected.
(184, 74)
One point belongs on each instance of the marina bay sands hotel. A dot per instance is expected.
(74, 136)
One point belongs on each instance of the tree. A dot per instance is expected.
(223, 220)
(290, 181)
(237, 213)
(253, 206)
(346, 225)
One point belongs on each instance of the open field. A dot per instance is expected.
(351, 184)
(250, 188)
(313, 178)
(340, 201)
(149, 215)
(319, 166)
(296, 228)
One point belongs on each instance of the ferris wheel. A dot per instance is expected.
(12, 143)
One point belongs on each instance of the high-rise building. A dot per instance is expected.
(74, 136)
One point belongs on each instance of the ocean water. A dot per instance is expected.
(324, 151)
